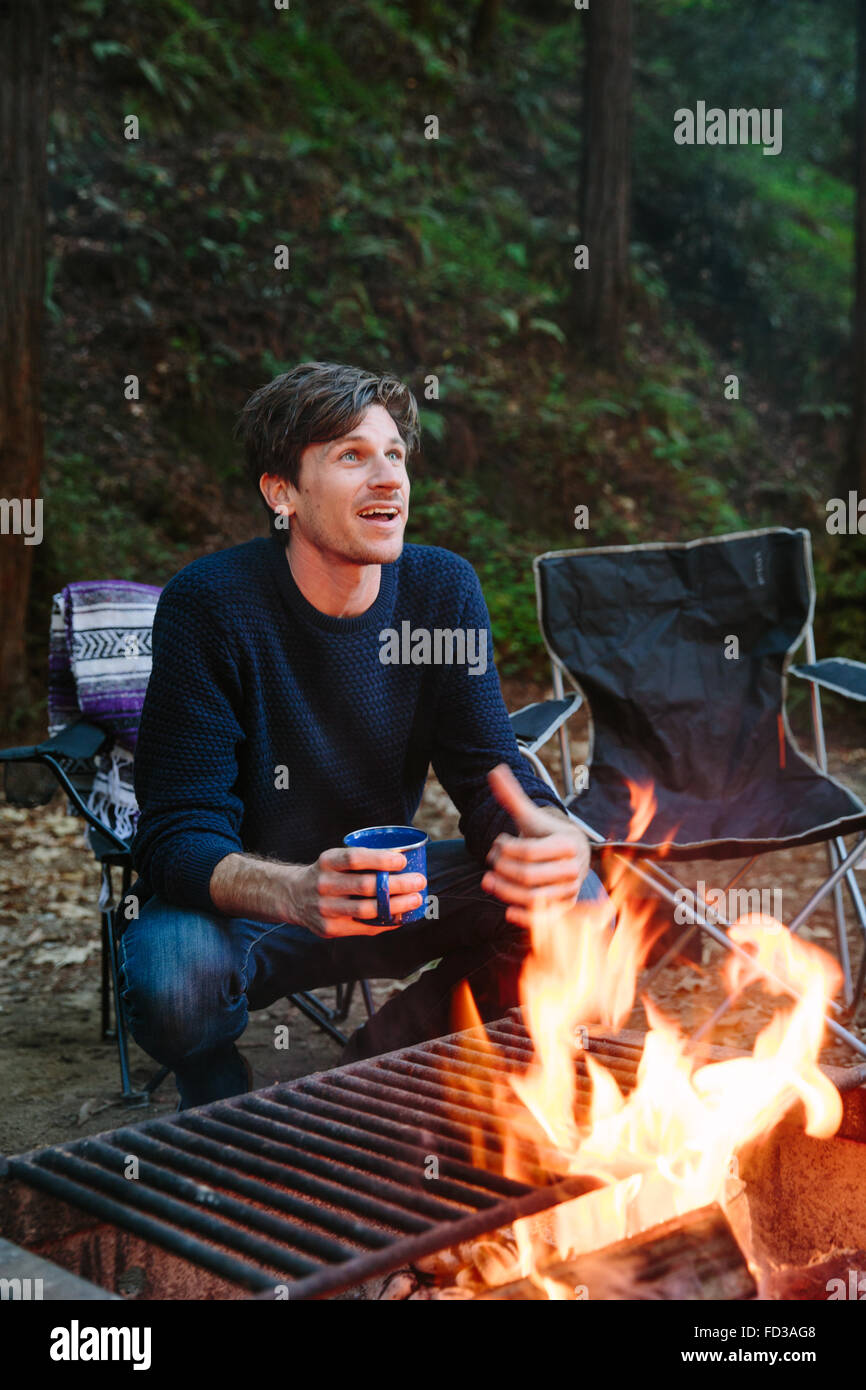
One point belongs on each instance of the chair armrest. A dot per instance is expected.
(25, 754)
(535, 724)
(835, 673)
(78, 741)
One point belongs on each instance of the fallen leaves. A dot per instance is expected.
(91, 1107)
(57, 953)
(42, 854)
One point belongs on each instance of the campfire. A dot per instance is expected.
(553, 1154)
(667, 1147)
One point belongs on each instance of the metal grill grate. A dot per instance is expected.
(319, 1184)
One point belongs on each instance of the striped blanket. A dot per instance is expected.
(98, 667)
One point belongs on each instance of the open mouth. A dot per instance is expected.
(382, 514)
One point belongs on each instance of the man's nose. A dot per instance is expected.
(387, 474)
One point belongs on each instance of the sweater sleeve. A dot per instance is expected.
(473, 733)
(186, 757)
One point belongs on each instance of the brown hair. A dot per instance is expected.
(312, 404)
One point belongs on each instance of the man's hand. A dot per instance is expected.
(327, 897)
(546, 862)
(325, 900)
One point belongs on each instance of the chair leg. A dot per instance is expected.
(835, 850)
(860, 913)
(673, 951)
(120, 1018)
(853, 890)
(859, 986)
(156, 1080)
(312, 1009)
(107, 1032)
(121, 1032)
(343, 1001)
(564, 746)
(368, 997)
(845, 867)
(844, 955)
(327, 1019)
(663, 883)
(682, 941)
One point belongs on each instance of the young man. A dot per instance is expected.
(281, 715)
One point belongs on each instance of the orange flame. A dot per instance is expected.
(667, 1147)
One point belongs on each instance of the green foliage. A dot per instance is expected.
(433, 424)
(101, 535)
(457, 515)
(454, 256)
(758, 247)
(840, 611)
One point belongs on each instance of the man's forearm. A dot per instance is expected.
(264, 890)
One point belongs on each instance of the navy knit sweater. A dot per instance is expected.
(273, 728)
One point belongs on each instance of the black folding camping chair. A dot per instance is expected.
(71, 757)
(682, 652)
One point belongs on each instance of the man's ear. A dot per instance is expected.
(279, 494)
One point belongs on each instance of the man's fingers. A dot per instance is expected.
(336, 885)
(538, 869)
(540, 847)
(519, 916)
(510, 891)
(364, 908)
(355, 858)
(546, 875)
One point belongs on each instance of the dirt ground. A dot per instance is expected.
(59, 1080)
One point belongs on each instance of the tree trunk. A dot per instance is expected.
(484, 25)
(24, 102)
(601, 291)
(857, 474)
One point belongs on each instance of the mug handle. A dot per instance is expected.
(383, 897)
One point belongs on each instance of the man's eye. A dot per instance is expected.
(349, 454)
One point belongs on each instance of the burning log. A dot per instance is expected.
(692, 1258)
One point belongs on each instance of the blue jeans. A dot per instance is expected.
(189, 979)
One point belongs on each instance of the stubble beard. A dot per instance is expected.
(348, 549)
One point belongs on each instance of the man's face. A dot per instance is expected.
(352, 499)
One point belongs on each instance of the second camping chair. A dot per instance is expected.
(681, 652)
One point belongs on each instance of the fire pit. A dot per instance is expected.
(308, 1189)
(644, 1149)
(300, 1190)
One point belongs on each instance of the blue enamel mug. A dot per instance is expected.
(402, 839)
